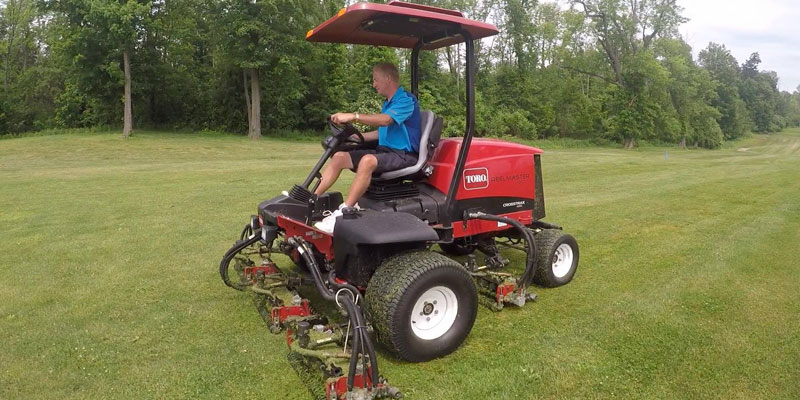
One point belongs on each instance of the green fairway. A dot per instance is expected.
(688, 285)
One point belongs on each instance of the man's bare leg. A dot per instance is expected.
(330, 174)
(363, 177)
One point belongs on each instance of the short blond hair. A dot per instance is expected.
(389, 70)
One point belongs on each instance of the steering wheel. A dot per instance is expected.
(345, 132)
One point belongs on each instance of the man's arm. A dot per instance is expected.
(370, 136)
(366, 119)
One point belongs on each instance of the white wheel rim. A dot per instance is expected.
(434, 313)
(562, 260)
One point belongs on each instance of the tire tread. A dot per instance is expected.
(385, 290)
(545, 246)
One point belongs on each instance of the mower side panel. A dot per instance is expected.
(477, 226)
(322, 241)
(494, 168)
(499, 178)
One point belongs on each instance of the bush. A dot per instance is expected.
(511, 123)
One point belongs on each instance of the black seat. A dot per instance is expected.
(431, 127)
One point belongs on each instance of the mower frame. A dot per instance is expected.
(378, 277)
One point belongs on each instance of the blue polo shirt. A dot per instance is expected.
(404, 131)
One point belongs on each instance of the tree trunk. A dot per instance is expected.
(682, 144)
(629, 143)
(458, 71)
(247, 98)
(152, 112)
(25, 53)
(255, 114)
(452, 64)
(127, 124)
(8, 52)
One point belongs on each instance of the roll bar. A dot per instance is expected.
(469, 44)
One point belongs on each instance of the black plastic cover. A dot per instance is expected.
(295, 209)
(538, 202)
(374, 227)
(282, 205)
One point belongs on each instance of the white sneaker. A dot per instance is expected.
(327, 223)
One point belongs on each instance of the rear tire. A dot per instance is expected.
(556, 258)
(422, 305)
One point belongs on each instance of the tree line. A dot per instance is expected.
(596, 69)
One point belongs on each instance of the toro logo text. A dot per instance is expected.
(476, 178)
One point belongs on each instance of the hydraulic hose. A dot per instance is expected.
(226, 259)
(357, 339)
(360, 336)
(360, 329)
(246, 232)
(373, 359)
(308, 257)
(530, 262)
(337, 285)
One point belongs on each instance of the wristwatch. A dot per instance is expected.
(357, 117)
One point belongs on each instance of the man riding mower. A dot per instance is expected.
(380, 266)
(398, 138)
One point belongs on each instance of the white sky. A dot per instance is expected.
(769, 27)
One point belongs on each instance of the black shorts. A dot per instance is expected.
(388, 159)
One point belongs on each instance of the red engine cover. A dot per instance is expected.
(494, 168)
(500, 172)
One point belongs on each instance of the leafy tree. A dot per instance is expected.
(20, 31)
(759, 90)
(625, 32)
(692, 93)
(603, 68)
(264, 37)
(18, 39)
(723, 67)
(96, 37)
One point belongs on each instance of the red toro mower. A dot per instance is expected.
(380, 269)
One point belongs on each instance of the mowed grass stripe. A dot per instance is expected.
(687, 285)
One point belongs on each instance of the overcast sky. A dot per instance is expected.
(769, 27)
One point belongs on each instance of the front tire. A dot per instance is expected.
(422, 305)
(556, 258)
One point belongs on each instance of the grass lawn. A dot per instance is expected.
(688, 287)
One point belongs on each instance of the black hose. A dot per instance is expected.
(304, 252)
(527, 276)
(226, 259)
(358, 344)
(357, 337)
(246, 232)
(361, 339)
(354, 315)
(363, 361)
(373, 359)
(337, 285)
(370, 349)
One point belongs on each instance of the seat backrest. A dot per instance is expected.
(428, 123)
(436, 134)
